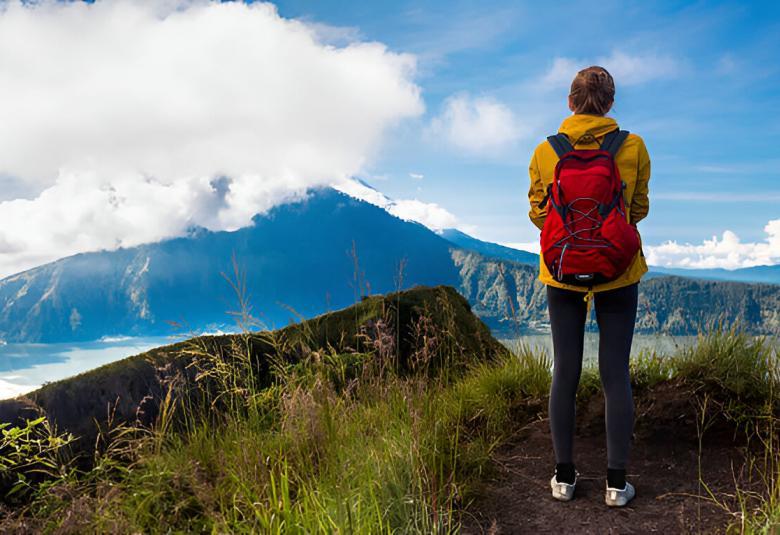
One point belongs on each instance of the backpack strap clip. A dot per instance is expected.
(605, 209)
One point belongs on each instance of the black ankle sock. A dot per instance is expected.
(616, 478)
(564, 473)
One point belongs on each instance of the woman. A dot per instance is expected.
(590, 99)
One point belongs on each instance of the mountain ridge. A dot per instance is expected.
(307, 257)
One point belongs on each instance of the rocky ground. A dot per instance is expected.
(664, 467)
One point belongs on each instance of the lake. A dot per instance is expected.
(663, 344)
(25, 367)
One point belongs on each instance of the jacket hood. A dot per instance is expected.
(578, 125)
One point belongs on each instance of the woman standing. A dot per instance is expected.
(576, 265)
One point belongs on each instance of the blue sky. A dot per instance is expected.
(704, 95)
(125, 122)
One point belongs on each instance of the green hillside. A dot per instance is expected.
(75, 404)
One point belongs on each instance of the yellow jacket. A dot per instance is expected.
(633, 162)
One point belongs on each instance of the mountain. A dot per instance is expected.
(299, 260)
(464, 241)
(311, 256)
(510, 300)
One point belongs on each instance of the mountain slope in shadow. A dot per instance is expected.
(299, 260)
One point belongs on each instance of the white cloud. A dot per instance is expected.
(364, 192)
(120, 115)
(728, 251)
(334, 35)
(561, 72)
(637, 69)
(626, 69)
(10, 390)
(431, 215)
(479, 125)
(726, 64)
(417, 176)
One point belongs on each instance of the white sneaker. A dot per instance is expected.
(619, 497)
(563, 491)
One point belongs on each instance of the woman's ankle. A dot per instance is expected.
(616, 478)
(565, 473)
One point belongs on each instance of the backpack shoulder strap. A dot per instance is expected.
(613, 141)
(560, 143)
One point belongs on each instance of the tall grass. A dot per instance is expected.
(737, 377)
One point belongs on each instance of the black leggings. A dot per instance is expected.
(615, 314)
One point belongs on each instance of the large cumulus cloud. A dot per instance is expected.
(125, 122)
(728, 251)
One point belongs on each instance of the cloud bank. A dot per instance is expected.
(129, 122)
(627, 69)
(431, 215)
(727, 252)
(478, 125)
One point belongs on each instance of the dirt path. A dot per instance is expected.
(663, 467)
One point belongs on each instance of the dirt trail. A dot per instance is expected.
(663, 467)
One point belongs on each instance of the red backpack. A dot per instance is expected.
(586, 239)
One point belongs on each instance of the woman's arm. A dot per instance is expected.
(536, 194)
(640, 203)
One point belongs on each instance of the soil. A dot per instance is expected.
(664, 468)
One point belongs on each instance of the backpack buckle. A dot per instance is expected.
(546, 197)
